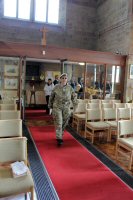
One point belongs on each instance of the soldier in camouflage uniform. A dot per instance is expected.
(60, 101)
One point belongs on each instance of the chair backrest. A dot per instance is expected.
(93, 105)
(80, 100)
(115, 101)
(4, 114)
(131, 113)
(106, 105)
(83, 100)
(81, 108)
(125, 127)
(8, 106)
(13, 149)
(93, 115)
(129, 105)
(94, 101)
(105, 101)
(119, 105)
(11, 128)
(123, 113)
(86, 100)
(109, 114)
(10, 101)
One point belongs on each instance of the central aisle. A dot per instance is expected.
(75, 172)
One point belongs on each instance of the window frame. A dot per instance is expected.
(32, 13)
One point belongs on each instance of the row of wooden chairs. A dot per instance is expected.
(99, 101)
(13, 147)
(82, 106)
(106, 120)
(109, 105)
(97, 120)
(112, 115)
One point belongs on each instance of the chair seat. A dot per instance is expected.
(79, 116)
(127, 141)
(112, 123)
(98, 124)
(10, 186)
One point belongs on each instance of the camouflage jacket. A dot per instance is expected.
(62, 96)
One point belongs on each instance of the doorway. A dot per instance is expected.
(37, 73)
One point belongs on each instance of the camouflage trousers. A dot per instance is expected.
(61, 118)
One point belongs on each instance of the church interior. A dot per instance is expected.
(91, 42)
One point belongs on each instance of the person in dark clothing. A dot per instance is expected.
(48, 89)
(56, 81)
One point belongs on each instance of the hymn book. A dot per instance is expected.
(19, 169)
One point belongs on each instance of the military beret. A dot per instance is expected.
(64, 74)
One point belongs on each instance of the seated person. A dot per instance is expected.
(97, 86)
(79, 91)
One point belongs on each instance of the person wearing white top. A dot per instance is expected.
(48, 89)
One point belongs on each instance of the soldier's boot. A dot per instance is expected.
(59, 142)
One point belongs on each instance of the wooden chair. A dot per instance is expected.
(106, 105)
(119, 105)
(10, 101)
(93, 106)
(129, 105)
(80, 100)
(94, 101)
(79, 116)
(124, 144)
(11, 128)
(8, 106)
(131, 113)
(6, 114)
(110, 117)
(11, 150)
(105, 101)
(94, 124)
(115, 101)
(123, 113)
(83, 100)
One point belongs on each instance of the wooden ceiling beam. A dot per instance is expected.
(60, 53)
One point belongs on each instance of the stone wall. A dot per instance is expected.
(76, 26)
(114, 26)
(81, 24)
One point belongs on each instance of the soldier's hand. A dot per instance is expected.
(50, 111)
(75, 108)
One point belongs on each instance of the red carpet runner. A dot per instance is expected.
(36, 115)
(76, 173)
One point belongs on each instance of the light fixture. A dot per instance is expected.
(81, 63)
(43, 52)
